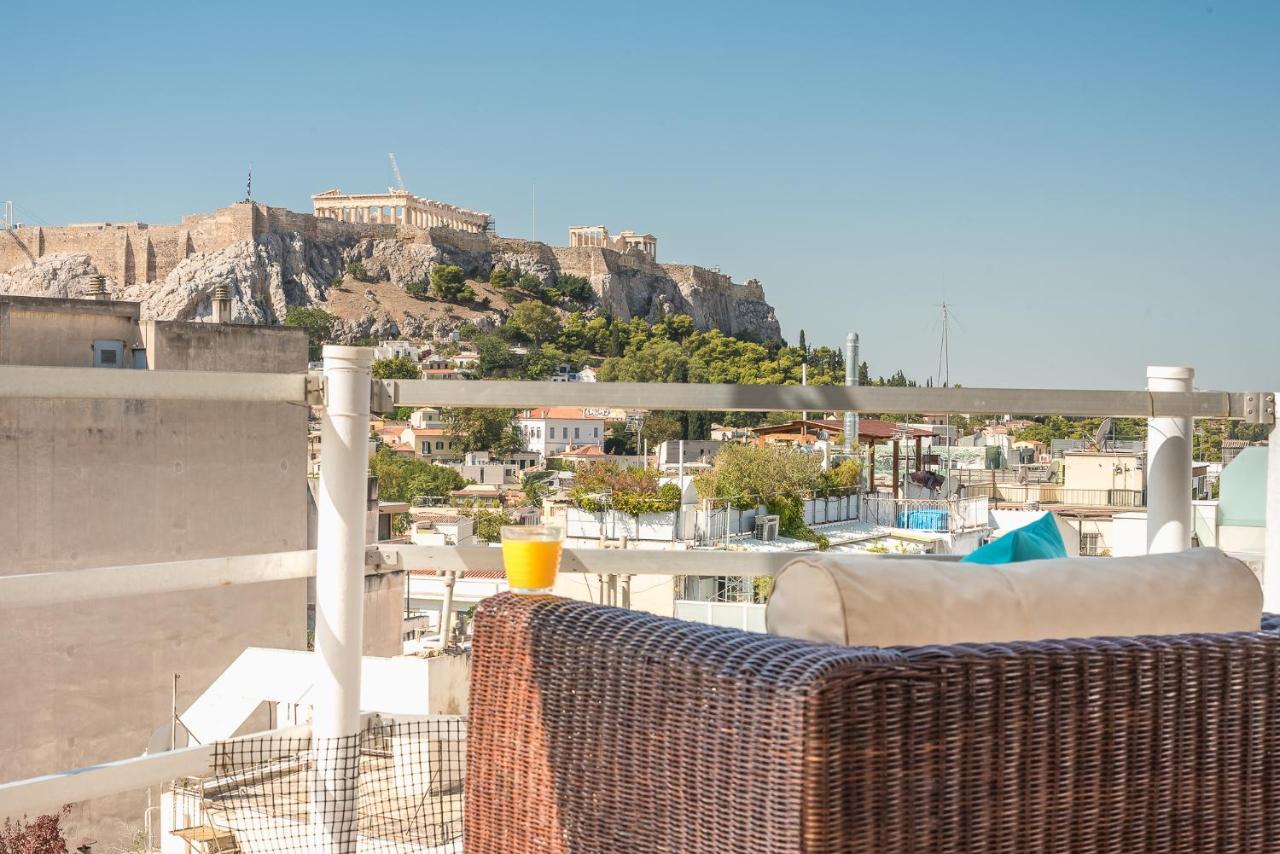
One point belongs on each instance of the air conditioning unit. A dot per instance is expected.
(766, 528)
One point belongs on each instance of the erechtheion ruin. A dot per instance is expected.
(598, 236)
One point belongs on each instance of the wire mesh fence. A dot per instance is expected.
(395, 787)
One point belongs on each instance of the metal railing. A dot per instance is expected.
(943, 515)
(90, 584)
(1055, 495)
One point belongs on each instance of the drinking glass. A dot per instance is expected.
(531, 555)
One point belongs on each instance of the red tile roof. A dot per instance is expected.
(582, 451)
(564, 412)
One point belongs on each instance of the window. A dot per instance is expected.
(575, 432)
(439, 446)
(1090, 545)
(108, 354)
(595, 431)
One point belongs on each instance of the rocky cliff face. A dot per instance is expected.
(278, 270)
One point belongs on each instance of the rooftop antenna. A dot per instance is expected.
(944, 347)
(395, 167)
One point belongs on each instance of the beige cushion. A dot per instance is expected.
(870, 601)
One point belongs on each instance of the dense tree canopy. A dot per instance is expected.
(406, 479)
(449, 284)
(747, 474)
(396, 368)
(533, 321)
(492, 430)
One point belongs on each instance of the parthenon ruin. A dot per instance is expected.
(398, 207)
(598, 236)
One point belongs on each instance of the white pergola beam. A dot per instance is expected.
(766, 398)
(107, 384)
(107, 582)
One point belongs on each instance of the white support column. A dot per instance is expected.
(340, 543)
(1271, 543)
(1169, 468)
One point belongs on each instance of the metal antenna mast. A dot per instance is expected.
(944, 347)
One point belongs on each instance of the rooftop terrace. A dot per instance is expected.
(327, 799)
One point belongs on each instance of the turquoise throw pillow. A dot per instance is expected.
(1039, 540)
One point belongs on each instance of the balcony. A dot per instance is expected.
(1052, 494)
(351, 782)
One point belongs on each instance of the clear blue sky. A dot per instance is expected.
(1094, 185)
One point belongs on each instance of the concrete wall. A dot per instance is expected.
(182, 346)
(383, 613)
(97, 483)
(25, 324)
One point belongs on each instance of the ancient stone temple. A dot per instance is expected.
(598, 236)
(398, 207)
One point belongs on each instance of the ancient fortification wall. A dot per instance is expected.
(135, 252)
(292, 256)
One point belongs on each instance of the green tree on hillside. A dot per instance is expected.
(396, 368)
(575, 288)
(534, 322)
(448, 283)
(316, 322)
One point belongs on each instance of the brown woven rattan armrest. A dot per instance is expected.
(600, 730)
(604, 730)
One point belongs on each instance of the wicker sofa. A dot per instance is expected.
(596, 729)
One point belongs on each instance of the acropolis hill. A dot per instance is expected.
(273, 258)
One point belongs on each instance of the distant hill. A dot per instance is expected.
(272, 259)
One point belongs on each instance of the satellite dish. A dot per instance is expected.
(1100, 435)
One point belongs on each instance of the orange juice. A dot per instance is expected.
(531, 555)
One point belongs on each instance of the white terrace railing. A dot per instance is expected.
(342, 558)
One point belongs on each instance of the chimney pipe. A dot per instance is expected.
(97, 289)
(850, 379)
(221, 304)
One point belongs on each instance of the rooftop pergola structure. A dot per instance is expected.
(870, 431)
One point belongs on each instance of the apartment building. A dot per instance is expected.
(550, 430)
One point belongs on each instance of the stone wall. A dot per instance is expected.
(137, 252)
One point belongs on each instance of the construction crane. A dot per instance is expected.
(395, 167)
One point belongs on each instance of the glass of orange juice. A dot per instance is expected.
(531, 555)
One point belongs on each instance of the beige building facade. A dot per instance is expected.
(1103, 470)
(89, 483)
